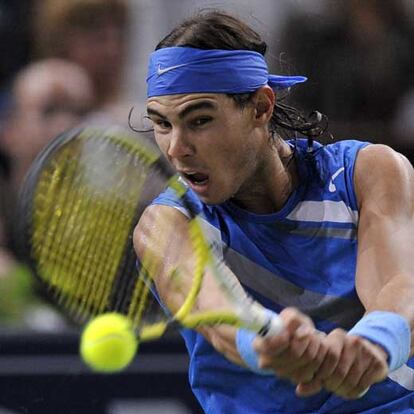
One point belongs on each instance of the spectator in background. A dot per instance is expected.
(93, 34)
(47, 97)
(358, 57)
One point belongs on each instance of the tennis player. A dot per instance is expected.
(323, 234)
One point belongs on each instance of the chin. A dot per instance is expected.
(212, 201)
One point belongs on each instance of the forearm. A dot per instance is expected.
(172, 260)
(223, 339)
(385, 270)
(396, 296)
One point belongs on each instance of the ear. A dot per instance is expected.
(264, 103)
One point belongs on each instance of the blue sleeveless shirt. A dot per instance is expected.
(304, 256)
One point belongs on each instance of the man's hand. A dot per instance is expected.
(350, 366)
(297, 353)
(346, 365)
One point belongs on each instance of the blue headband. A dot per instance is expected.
(176, 70)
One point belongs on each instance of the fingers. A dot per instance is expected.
(332, 349)
(295, 324)
(369, 369)
(304, 368)
(334, 344)
(296, 353)
(351, 365)
(308, 389)
(346, 365)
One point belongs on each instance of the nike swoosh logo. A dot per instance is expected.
(332, 186)
(161, 70)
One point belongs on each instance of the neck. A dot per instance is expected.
(273, 183)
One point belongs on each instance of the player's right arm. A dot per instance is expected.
(162, 232)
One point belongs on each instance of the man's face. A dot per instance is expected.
(46, 105)
(210, 140)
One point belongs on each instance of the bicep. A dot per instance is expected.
(164, 246)
(164, 250)
(162, 242)
(384, 182)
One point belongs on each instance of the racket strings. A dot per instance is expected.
(140, 297)
(133, 170)
(90, 289)
(86, 203)
(142, 312)
(80, 275)
(127, 276)
(94, 285)
(64, 253)
(47, 237)
(47, 208)
(99, 290)
(114, 216)
(88, 216)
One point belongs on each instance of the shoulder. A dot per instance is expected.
(330, 172)
(380, 155)
(338, 154)
(344, 152)
(170, 198)
(383, 175)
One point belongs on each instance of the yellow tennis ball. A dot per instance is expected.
(108, 343)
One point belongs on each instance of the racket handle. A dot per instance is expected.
(266, 322)
(273, 324)
(270, 324)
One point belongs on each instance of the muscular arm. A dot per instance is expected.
(384, 183)
(162, 231)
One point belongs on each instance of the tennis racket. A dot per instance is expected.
(78, 208)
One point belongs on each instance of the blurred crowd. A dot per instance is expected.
(358, 56)
(65, 67)
(64, 63)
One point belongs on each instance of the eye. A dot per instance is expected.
(200, 121)
(161, 124)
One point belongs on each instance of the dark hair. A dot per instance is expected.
(219, 30)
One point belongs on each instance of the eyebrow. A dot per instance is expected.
(187, 110)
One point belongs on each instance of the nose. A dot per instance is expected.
(180, 144)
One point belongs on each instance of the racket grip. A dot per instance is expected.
(268, 323)
(273, 325)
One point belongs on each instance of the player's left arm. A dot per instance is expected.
(384, 184)
(385, 270)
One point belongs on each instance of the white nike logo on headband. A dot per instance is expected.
(161, 70)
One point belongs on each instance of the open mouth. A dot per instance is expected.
(196, 178)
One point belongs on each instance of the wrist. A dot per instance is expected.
(388, 330)
(244, 344)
